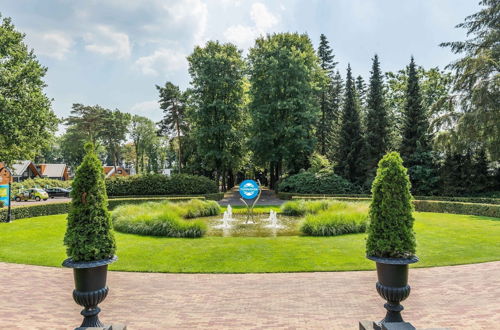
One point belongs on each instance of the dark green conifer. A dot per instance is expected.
(377, 122)
(326, 96)
(415, 146)
(88, 234)
(350, 138)
(390, 233)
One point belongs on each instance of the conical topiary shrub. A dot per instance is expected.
(88, 234)
(390, 233)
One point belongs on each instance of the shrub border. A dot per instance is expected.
(480, 209)
(478, 200)
(37, 210)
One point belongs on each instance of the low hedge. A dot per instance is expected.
(480, 200)
(43, 209)
(158, 184)
(486, 210)
(314, 183)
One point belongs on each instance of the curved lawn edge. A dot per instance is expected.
(443, 240)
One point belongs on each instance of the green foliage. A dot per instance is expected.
(146, 143)
(196, 208)
(486, 210)
(157, 184)
(377, 122)
(319, 163)
(1, 204)
(217, 72)
(27, 120)
(317, 183)
(329, 217)
(164, 218)
(477, 80)
(173, 104)
(302, 207)
(390, 233)
(415, 147)
(284, 77)
(349, 158)
(88, 234)
(334, 223)
(40, 183)
(327, 97)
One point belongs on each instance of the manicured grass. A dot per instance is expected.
(443, 239)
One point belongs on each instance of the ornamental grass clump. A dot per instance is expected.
(88, 234)
(302, 207)
(334, 222)
(390, 233)
(164, 218)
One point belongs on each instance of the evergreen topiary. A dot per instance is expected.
(88, 234)
(390, 233)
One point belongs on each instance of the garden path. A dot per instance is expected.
(458, 297)
(268, 197)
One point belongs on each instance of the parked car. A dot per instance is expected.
(33, 193)
(57, 192)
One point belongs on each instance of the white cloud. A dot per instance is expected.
(150, 109)
(244, 35)
(262, 17)
(193, 13)
(162, 60)
(106, 41)
(54, 44)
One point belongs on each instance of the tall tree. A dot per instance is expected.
(377, 122)
(415, 147)
(361, 90)
(143, 133)
(27, 121)
(326, 95)
(284, 72)
(114, 133)
(172, 102)
(477, 78)
(89, 120)
(349, 160)
(337, 94)
(217, 73)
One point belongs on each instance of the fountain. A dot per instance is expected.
(273, 219)
(230, 212)
(226, 218)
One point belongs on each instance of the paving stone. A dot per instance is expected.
(455, 297)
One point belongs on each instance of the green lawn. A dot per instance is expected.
(443, 239)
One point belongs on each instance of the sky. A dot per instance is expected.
(114, 52)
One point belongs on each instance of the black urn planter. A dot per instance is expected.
(90, 287)
(393, 285)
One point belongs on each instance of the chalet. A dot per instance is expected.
(54, 171)
(110, 171)
(24, 170)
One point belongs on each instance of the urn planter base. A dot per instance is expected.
(90, 289)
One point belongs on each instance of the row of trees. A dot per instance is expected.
(285, 104)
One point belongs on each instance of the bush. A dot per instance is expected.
(486, 210)
(196, 208)
(39, 183)
(334, 222)
(301, 207)
(157, 184)
(317, 183)
(88, 233)
(162, 219)
(390, 234)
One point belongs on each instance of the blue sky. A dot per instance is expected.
(113, 52)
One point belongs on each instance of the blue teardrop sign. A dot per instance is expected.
(249, 189)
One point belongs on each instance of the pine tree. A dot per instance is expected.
(377, 122)
(361, 89)
(326, 95)
(415, 147)
(350, 139)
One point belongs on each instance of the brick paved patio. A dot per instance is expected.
(459, 297)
